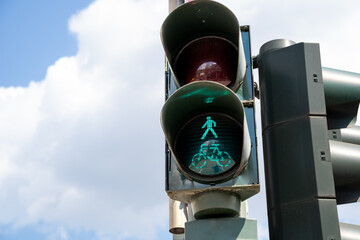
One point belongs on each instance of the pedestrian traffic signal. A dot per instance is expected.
(205, 126)
(306, 175)
(208, 118)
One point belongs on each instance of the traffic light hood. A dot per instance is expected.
(207, 28)
(342, 97)
(220, 126)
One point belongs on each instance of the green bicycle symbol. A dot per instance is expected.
(211, 157)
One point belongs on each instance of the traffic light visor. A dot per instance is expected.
(202, 42)
(205, 126)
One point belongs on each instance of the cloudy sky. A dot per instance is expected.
(81, 89)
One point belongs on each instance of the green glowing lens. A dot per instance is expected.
(209, 145)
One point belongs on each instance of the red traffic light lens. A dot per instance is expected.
(208, 58)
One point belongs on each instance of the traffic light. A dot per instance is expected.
(208, 118)
(302, 104)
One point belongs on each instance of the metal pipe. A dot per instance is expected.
(340, 86)
(177, 216)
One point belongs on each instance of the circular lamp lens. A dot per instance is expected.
(210, 58)
(209, 147)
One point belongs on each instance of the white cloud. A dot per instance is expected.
(83, 149)
(333, 24)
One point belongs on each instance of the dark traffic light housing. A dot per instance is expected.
(307, 175)
(208, 118)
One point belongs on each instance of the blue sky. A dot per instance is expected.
(34, 35)
(81, 89)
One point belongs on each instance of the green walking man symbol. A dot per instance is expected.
(209, 127)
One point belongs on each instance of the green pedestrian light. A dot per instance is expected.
(211, 154)
(213, 143)
(209, 126)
